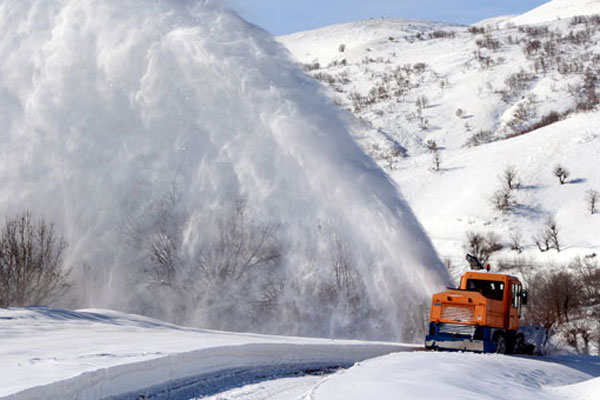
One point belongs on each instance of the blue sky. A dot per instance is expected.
(284, 16)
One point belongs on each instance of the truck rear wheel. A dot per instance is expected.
(501, 345)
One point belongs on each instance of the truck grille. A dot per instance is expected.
(466, 330)
(458, 313)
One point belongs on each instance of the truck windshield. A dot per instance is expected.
(490, 289)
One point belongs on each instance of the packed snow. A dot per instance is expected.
(90, 354)
(461, 376)
(199, 175)
(93, 354)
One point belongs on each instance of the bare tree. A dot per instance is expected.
(422, 102)
(548, 237)
(436, 160)
(482, 246)
(516, 238)
(503, 199)
(510, 178)
(592, 197)
(31, 262)
(432, 145)
(561, 173)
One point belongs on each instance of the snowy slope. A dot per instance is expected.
(458, 199)
(557, 9)
(467, 77)
(175, 127)
(323, 45)
(91, 354)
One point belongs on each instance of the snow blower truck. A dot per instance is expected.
(482, 315)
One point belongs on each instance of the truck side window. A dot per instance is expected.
(515, 296)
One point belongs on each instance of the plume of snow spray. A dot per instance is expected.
(198, 175)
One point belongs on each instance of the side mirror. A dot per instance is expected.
(524, 297)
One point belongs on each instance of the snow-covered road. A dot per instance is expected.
(58, 354)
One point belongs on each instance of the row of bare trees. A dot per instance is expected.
(564, 299)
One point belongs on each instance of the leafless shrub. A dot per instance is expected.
(440, 34)
(534, 31)
(476, 30)
(312, 67)
(423, 123)
(31, 262)
(422, 102)
(488, 42)
(546, 120)
(586, 97)
(342, 48)
(561, 173)
(516, 83)
(392, 155)
(324, 77)
(591, 198)
(459, 112)
(432, 145)
(482, 246)
(548, 237)
(436, 160)
(510, 178)
(419, 68)
(554, 298)
(479, 138)
(520, 116)
(503, 199)
(516, 238)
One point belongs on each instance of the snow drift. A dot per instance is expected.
(198, 175)
(557, 9)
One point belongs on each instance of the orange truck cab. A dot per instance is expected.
(482, 315)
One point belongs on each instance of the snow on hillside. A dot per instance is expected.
(93, 354)
(198, 175)
(557, 9)
(323, 45)
(457, 94)
(451, 111)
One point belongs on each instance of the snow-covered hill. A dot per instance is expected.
(96, 354)
(198, 175)
(466, 97)
(557, 9)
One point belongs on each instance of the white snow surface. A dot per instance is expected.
(465, 97)
(91, 354)
(131, 123)
(94, 354)
(557, 9)
(460, 376)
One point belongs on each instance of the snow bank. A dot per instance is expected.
(136, 124)
(557, 9)
(58, 354)
(450, 376)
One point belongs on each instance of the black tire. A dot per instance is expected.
(501, 345)
(520, 347)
